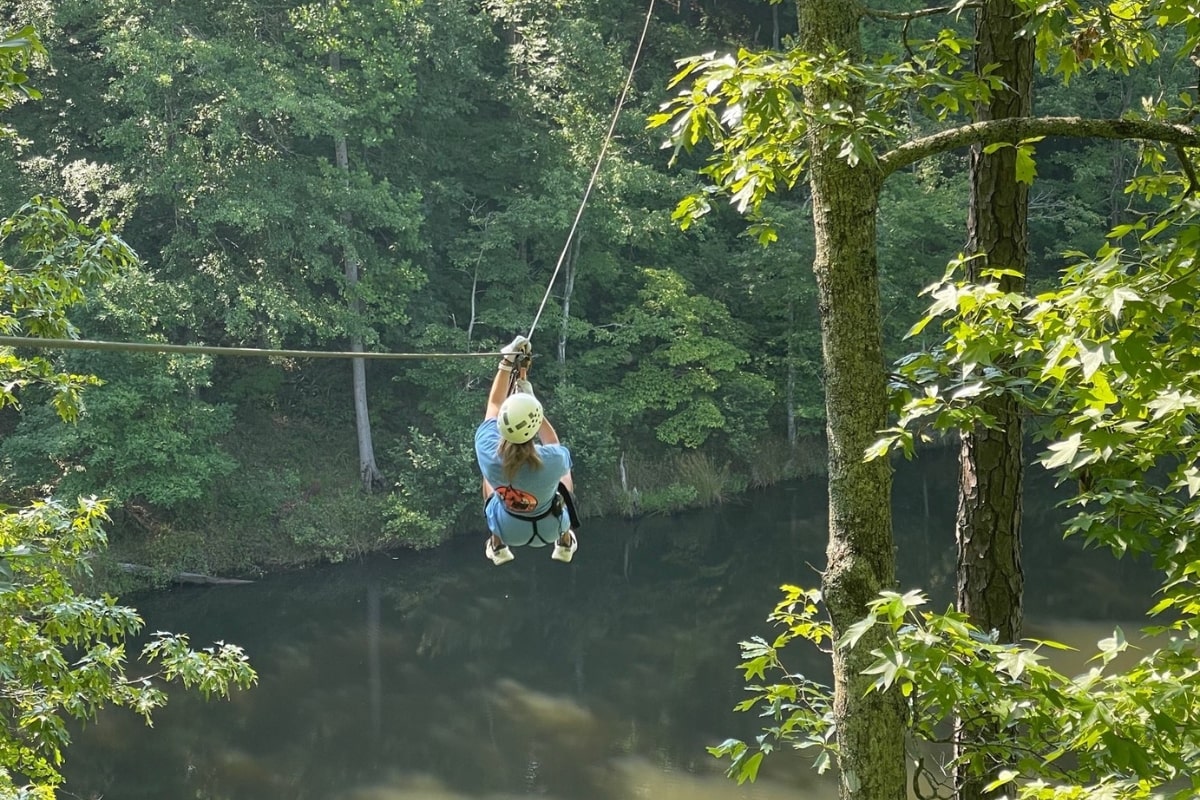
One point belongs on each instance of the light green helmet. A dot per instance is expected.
(520, 417)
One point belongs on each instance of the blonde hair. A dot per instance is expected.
(515, 456)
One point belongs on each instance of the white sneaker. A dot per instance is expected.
(565, 554)
(498, 557)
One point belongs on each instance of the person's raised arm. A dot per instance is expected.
(499, 390)
(547, 433)
(550, 436)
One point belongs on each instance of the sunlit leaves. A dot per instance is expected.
(62, 655)
(18, 48)
(1106, 721)
(51, 260)
(751, 109)
(1026, 167)
(1072, 36)
(758, 114)
(1102, 733)
(797, 710)
(1109, 367)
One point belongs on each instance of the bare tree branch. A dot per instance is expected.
(1017, 129)
(1188, 170)
(911, 15)
(935, 784)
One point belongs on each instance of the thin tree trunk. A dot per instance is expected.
(568, 288)
(474, 300)
(485, 221)
(861, 557)
(372, 478)
(988, 525)
(790, 399)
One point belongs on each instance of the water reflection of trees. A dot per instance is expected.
(437, 670)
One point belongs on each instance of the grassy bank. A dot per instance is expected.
(295, 500)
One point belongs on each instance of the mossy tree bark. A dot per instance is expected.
(861, 558)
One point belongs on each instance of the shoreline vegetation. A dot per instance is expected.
(674, 359)
(296, 491)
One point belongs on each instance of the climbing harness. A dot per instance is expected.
(563, 500)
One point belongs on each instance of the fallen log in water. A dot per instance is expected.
(183, 577)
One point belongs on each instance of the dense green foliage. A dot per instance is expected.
(675, 362)
(208, 132)
(830, 116)
(62, 653)
(471, 130)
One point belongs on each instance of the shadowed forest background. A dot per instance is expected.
(680, 367)
(400, 177)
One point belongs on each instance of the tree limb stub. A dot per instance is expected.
(1018, 129)
(924, 12)
(1188, 169)
(184, 577)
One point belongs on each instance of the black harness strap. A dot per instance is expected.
(568, 501)
(563, 499)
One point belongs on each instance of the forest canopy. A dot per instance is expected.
(681, 366)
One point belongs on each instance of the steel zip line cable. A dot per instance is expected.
(213, 350)
(612, 126)
(254, 352)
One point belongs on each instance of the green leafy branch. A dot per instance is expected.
(57, 259)
(18, 50)
(1104, 733)
(63, 654)
(751, 110)
(1107, 367)
(799, 709)
(1071, 35)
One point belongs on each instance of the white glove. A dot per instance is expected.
(518, 346)
(524, 387)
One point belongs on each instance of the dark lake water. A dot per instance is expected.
(438, 676)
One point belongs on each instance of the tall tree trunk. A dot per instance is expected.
(989, 509)
(372, 478)
(988, 525)
(861, 556)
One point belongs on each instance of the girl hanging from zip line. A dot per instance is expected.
(526, 484)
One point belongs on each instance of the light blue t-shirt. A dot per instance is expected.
(529, 494)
